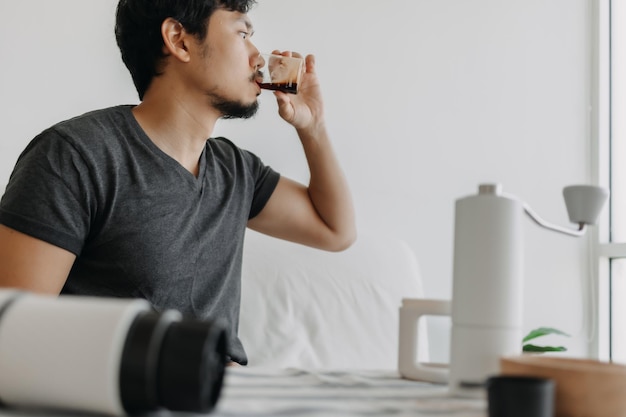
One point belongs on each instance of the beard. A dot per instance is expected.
(231, 109)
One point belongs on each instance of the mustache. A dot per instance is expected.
(257, 76)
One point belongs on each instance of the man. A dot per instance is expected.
(134, 201)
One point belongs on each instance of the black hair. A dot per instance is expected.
(138, 30)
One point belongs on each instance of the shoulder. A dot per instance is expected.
(223, 144)
(90, 126)
(225, 148)
(95, 141)
(90, 133)
(112, 120)
(226, 154)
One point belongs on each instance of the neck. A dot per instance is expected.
(178, 128)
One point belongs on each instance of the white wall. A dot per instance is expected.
(425, 99)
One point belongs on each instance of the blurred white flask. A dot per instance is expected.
(106, 356)
(487, 293)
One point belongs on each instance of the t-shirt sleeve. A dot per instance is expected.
(263, 191)
(48, 195)
(263, 178)
(266, 180)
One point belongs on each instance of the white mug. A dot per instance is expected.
(409, 367)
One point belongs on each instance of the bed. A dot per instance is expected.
(271, 392)
(321, 332)
(259, 392)
(307, 308)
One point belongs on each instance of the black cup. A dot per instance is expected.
(520, 396)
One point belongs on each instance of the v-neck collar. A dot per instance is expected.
(143, 136)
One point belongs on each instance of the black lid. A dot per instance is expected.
(178, 365)
(191, 366)
(137, 385)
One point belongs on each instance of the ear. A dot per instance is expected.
(175, 39)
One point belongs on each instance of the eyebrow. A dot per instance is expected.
(246, 21)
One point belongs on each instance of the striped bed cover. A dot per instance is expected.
(258, 392)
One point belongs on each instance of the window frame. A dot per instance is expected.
(604, 250)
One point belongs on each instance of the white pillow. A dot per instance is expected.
(307, 308)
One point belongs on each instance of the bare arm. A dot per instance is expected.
(32, 264)
(322, 214)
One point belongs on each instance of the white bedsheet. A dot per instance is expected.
(254, 392)
(307, 308)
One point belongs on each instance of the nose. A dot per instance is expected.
(258, 61)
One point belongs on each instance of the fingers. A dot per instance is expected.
(285, 107)
(310, 63)
(281, 98)
(287, 53)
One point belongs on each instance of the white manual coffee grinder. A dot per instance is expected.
(487, 295)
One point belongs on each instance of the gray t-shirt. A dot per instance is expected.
(140, 224)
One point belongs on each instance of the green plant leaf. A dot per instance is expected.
(542, 331)
(534, 348)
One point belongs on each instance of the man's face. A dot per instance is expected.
(227, 60)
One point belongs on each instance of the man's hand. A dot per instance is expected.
(320, 214)
(304, 110)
